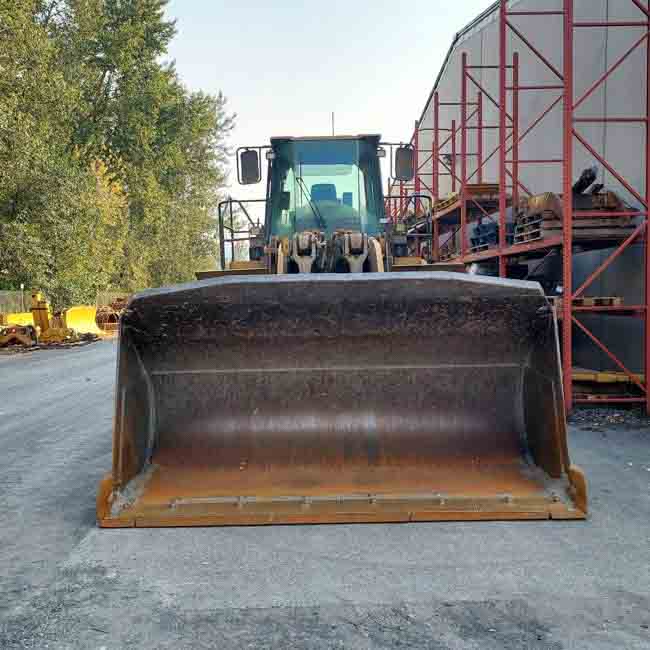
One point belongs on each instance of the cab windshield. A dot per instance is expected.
(325, 185)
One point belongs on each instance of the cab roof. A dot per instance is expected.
(288, 138)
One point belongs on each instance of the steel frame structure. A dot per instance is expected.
(562, 93)
(572, 136)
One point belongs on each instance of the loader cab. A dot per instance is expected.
(324, 184)
(324, 205)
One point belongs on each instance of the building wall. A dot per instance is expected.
(623, 94)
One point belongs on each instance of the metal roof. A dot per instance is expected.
(459, 35)
(291, 138)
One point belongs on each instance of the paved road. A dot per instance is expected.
(66, 584)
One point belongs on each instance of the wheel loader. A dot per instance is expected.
(320, 381)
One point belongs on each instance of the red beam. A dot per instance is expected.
(611, 120)
(533, 49)
(540, 161)
(607, 73)
(523, 135)
(479, 138)
(609, 168)
(647, 203)
(548, 242)
(503, 136)
(452, 171)
(513, 251)
(435, 146)
(535, 13)
(515, 133)
(598, 399)
(487, 94)
(416, 147)
(527, 87)
(611, 23)
(481, 208)
(611, 309)
(591, 214)
(426, 160)
(539, 119)
(567, 184)
(463, 154)
(454, 177)
(519, 183)
(426, 187)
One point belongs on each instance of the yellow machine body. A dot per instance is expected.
(19, 318)
(19, 335)
(82, 319)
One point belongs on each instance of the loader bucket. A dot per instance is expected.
(82, 320)
(339, 398)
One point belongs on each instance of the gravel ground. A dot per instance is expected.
(66, 584)
(604, 417)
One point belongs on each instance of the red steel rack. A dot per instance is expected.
(444, 156)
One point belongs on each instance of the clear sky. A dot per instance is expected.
(285, 65)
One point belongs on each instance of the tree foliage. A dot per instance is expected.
(110, 169)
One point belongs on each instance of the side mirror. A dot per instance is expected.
(249, 164)
(404, 163)
(285, 200)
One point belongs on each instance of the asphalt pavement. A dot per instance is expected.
(66, 584)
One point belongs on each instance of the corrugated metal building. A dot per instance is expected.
(622, 144)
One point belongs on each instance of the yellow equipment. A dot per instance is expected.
(82, 320)
(58, 335)
(24, 318)
(41, 312)
(328, 389)
(50, 328)
(21, 335)
(38, 325)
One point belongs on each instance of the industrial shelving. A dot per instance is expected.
(455, 216)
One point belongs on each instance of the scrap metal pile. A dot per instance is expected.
(108, 316)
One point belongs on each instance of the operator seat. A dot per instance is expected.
(321, 192)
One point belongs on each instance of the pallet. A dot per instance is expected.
(446, 203)
(528, 227)
(603, 377)
(584, 224)
(599, 234)
(546, 215)
(527, 237)
(554, 224)
(604, 301)
(550, 215)
(542, 230)
(445, 257)
(480, 189)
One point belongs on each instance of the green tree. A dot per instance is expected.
(39, 179)
(110, 169)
